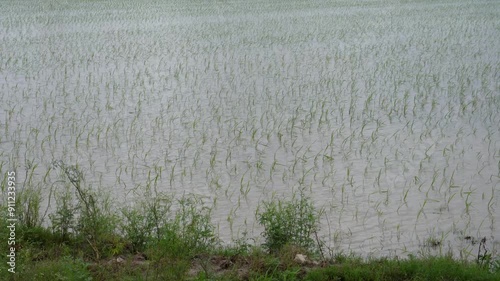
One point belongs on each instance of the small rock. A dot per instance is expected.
(139, 257)
(120, 260)
(300, 258)
(225, 264)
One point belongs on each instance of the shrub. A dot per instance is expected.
(92, 218)
(63, 219)
(288, 222)
(188, 231)
(137, 228)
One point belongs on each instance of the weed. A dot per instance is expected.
(95, 224)
(63, 219)
(137, 227)
(66, 268)
(29, 199)
(288, 222)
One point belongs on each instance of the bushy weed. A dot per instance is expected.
(288, 222)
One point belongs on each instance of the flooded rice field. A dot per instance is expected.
(385, 113)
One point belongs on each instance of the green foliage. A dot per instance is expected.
(288, 222)
(242, 244)
(138, 227)
(65, 269)
(193, 221)
(98, 229)
(181, 235)
(63, 219)
(174, 269)
(37, 236)
(92, 218)
(190, 230)
(413, 269)
(29, 200)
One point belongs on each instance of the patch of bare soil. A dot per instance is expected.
(240, 267)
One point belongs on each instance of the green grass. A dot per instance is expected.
(434, 268)
(168, 261)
